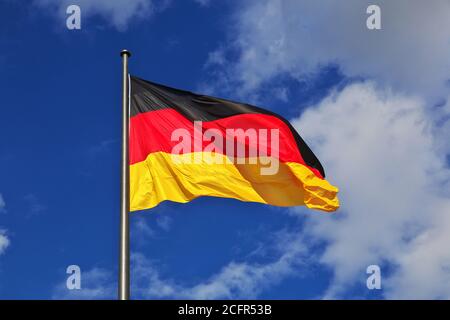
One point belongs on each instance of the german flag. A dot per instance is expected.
(181, 148)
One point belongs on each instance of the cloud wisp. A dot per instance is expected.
(96, 283)
(235, 280)
(2, 204)
(116, 13)
(4, 240)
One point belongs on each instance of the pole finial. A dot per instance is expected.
(125, 52)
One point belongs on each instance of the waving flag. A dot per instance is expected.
(184, 145)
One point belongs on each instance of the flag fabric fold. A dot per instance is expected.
(184, 145)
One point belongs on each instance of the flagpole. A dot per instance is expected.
(124, 263)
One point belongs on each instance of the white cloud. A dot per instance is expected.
(383, 151)
(279, 37)
(2, 204)
(117, 13)
(142, 231)
(96, 283)
(4, 240)
(235, 280)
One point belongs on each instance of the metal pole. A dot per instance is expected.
(124, 264)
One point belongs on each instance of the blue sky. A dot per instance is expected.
(60, 151)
